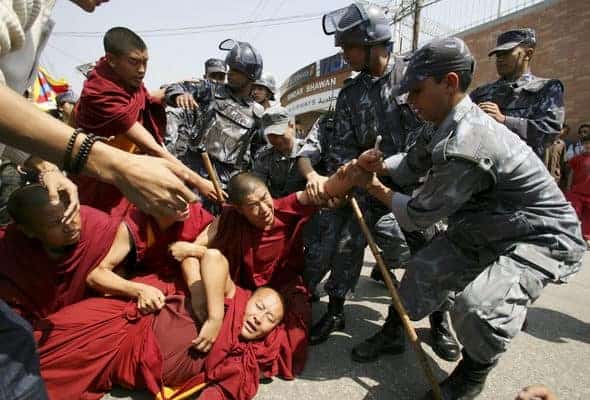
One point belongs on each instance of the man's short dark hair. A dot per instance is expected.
(241, 185)
(23, 201)
(120, 40)
(583, 125)
(465, 78)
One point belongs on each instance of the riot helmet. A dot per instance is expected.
(358, 24)
(268, 81)
(243, 57)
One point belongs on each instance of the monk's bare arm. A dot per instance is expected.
(146, 142)
(181, 250)
(155, 185)
(338, 184)
(215, 276)
(104, 280)
(191, 272)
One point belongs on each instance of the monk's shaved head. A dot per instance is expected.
(120, 40)
(242, 185)
(23, 203)
(265, 310)
(35, 216)
(268, 291)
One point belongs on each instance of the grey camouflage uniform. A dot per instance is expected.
(319, 235)
(366, 108)
(224, 127)
(181, 127)
(510, 229)
(279, 172)
(534, 107)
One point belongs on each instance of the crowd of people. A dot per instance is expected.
(174, 240)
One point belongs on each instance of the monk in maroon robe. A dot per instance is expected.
(261, 237)
(114, 103)
(49, 263)
(122, 346)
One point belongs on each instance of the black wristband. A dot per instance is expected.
(83, 154)
(67, 164)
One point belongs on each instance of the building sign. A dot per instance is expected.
(332, 64)
(302, 75)
(316, 102)
(314, 86)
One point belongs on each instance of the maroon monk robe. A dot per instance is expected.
(106, 108)
(274, 258)
(121, 346)
(151, 243)
(36, 285)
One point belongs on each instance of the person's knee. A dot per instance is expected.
(214, 256)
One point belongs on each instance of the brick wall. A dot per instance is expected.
(563, 49)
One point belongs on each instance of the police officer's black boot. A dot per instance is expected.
(330, 322)
(377, 277)
(467, 381)
(389, 340)
(444, 343)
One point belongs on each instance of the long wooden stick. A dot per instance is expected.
(212, 175)
(397, 303)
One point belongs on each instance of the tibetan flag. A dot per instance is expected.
(45, 88)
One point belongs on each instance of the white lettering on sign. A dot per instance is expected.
(326, 83)
(315, 102)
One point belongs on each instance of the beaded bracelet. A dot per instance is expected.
(84, 152)
(69, 148)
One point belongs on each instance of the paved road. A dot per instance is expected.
(555, 350)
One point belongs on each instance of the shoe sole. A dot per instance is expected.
(315, 342)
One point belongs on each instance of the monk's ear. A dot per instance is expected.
(111, 59)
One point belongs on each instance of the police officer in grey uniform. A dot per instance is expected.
(530, 106)
(215, 70)
(368, 106)
(264, 90)
(183, 124)
(230, 117)
(276, 163)
(510, 229)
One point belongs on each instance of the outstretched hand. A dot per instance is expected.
(55, 182)
(372, 161)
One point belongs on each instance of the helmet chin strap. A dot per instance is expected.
(367, 66)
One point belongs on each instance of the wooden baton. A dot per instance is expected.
(397, 303)
(212, 175)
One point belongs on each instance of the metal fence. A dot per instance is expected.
(441, 18)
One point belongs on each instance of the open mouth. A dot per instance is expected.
(250, 327)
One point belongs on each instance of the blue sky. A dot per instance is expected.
(284, 48)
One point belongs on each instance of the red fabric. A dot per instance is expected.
(273, 258)
(580, 166)
(88, 347)
(581, 204)
(234, 365)
(107, 109)
(151, 243)
(36, 285)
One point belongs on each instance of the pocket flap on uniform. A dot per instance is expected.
(537, 260)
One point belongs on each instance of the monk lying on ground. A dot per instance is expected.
(49, 263)
(122, 346)
(261, 237)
